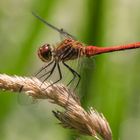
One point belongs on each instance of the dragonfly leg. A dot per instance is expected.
(51, 72)
(44, 74)
(44, 68)
(60, 76)
(21, 88)
(74, 75)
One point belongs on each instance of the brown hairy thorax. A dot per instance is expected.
(68, 49)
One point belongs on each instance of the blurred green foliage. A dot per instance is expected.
(112, 87)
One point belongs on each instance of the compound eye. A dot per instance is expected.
(45, 52)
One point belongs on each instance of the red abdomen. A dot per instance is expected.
(93, 50)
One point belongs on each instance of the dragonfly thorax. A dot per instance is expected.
(68, 49)
(45, 53)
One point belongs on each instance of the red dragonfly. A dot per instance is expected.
(71, 49)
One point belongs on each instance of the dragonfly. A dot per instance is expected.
(70, 49)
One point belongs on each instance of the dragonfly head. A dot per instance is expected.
(45, 53)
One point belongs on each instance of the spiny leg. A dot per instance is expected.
(52, 70)
(44, 68)
(20, 90)
(44, 74)
(60, 76)
(74, 74)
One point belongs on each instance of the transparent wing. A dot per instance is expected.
(61, 31)
(24, 100)
(78, 66)
(87, 63)
(46, 72)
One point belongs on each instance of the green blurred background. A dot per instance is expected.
(112, 87)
